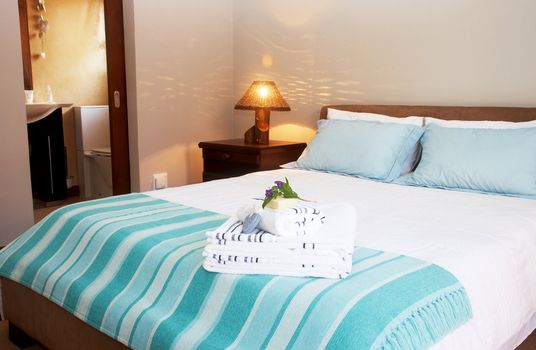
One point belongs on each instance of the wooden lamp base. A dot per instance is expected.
(259, 133)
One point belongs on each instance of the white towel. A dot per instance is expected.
(337, 232)
(284, 258)
(274, 250)
(266, 241)
(326, 253)
(302, 261)
(297, 221)
(281, 270)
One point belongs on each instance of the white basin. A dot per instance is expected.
(38, 111)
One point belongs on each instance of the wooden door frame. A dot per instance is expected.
(25, 45)
(117, 95)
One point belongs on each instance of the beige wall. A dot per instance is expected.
(15, 195)
(180, 81)
(448, 52)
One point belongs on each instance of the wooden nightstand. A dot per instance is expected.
(228, 158)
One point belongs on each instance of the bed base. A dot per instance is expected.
(19, 338)
(35, 319)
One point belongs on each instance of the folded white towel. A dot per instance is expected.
(274, 258)
(337, 232)
(281, 270)
(277, 250)
(262, 241)
(297, 221)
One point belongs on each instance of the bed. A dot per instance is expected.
(488, 242)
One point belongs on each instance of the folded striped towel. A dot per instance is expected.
(229, 235)
(279, 270)
(300, 262)
(325, 253)
(337, 229)
(227, 256)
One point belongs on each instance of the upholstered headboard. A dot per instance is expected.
(514, 114)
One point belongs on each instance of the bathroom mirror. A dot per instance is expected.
(25, 45)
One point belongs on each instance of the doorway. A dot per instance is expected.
(38, 19)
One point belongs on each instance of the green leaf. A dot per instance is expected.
(286, 191)
(266, 201)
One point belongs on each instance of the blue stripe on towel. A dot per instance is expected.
(127, 264)
(170, 293)
(133, 260)
(73, 241)
(232, 320)
(190, 305)
(140, 284)
(64, 228)
(131, 267)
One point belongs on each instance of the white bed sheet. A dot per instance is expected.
(488, 242)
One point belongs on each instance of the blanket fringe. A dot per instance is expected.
(428, 324)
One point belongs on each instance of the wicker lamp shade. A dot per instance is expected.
(262, 97)
(263, 94)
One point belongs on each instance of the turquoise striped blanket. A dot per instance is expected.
(130, 266)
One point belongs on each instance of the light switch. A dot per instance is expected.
(159, 181)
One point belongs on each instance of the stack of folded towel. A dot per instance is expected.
(304, 241)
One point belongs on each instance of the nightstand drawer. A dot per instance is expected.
(230, 157)
(227, 168)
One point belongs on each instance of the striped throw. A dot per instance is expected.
(130, 266)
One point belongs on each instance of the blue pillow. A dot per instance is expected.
(501, 161)
(365, 149)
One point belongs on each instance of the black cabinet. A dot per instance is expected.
(47, 158)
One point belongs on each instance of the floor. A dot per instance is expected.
(5, 344)
(40, 211)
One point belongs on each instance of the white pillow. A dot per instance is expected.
(373, 117)
(475, 124)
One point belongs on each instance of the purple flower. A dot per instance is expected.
(279, 184)
(269, 193)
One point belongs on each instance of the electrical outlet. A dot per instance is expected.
(159, 181)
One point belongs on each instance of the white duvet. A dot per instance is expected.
(488, 242)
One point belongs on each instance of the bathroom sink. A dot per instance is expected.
(38, 111)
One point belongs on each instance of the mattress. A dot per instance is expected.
(487, 242)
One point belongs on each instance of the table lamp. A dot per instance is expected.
(262, 97)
